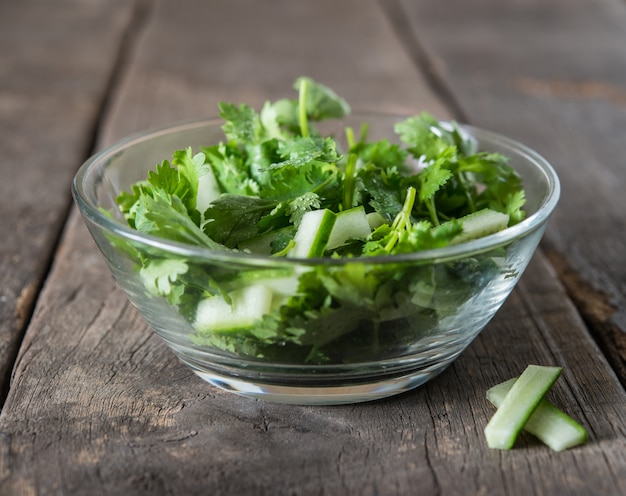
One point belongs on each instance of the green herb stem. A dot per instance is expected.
(402, 222)
(349, 182)
(302, 117)
(364, 132)
(432, 209)
(403, 219)
(350, 138)
(470, 199)
(285, 250)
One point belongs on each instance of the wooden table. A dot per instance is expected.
(94, 403)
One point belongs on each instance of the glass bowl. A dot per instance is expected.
(367, 350)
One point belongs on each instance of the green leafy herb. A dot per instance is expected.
(256, 192)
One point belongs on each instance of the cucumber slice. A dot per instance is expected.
(374, 219)
(313, 233)
(481, 223)
(519, 404)
(349, 224)
(550, 425)
(280, 281)
(247, 305)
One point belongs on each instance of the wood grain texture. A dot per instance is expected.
(99, 405)
(55, 64)
(249, 51)
(559, 87)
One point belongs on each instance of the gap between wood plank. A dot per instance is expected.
(425, 63)
(30, 296)
(591, 305)
(595, 309)
(139, 19)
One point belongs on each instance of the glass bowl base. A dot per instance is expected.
(340, 394)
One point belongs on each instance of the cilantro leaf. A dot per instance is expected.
(380, 189)
(273, 119)
(159, 275)
(383, 154)
(284, 113)
(166, 216)
(512, 206)
(168, 180)
(286, 182)
(498, 180)
(127, 201)
(422, 236)
(231, 171)
(432, 178)
(321, 101)
(301, 205)
(243, 124)
(190, 167)
(234, 218)
(303, 150)
(427, 137)
(423, 137)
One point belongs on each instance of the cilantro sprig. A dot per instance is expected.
(259, 187)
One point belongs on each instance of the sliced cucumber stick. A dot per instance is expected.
(313, 233)
(550, 425)
(349, 224)
(374, 219)
(247, 305)
(519, 404)
(481, 223)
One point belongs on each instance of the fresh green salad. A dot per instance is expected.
(275, 186)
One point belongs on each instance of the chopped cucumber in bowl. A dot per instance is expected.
(299, 254)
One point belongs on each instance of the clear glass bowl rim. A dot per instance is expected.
(92, 211)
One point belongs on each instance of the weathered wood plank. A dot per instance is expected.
(552, 74)
(99, 405)
(55, 60)
(251, 51)
(99, 394)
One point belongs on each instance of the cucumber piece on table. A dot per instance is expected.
(313, 233)
(349, 224)
(519, 404)
(550, 425)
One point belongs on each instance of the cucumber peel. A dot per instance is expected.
(313, 234)
(352, 223)
(548, 423)
(519, 404)
(246, 305)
